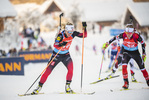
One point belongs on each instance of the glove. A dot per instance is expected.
(63, 44)
(84, 24)
(144, 57)
(105, 45)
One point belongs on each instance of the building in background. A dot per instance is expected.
(140, 13)
(8, 25)
(7, 11)
(102, 12)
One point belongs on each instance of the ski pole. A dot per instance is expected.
(51, 60)
(43, 71)
(101, 66)
(59, 27)
(60, 18)
(82, 61)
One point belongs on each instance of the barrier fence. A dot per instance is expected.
(36, 56)
(15, 65)
(12, 66)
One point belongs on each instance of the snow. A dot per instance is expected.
(6, 9)
(11, 86)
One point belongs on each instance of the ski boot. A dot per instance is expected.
(68, 89)
(126, 84)
(36, 91)
(108, 70)
(133, 78)
(110, 75)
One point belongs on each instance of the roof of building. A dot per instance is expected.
(100, 10)
(92, 10)
(7, 9)
(140, 11)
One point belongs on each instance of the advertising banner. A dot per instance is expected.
(36, 56)
(12, 66)
(114, 32)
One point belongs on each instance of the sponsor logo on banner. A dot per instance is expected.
(114, 32)
(36, 56)
(12, 66)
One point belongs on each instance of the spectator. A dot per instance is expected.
(49, 48)
(93, 28)
(12, 53)
(2, 53)
(94, 49)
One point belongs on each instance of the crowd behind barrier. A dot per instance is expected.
(13, 62)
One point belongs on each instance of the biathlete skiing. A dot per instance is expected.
(112, 52)
(118, 62)
(130, 50)
(61, 50)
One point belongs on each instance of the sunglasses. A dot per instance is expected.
(129, 29)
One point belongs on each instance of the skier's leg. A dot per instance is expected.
(49, 69)
(69, 65)
(132, 70)
(131, 66)
(145, 74)
(46, 74)
(140, 63)
(111, 60)
(125, 61)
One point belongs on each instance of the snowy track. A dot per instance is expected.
(11, 86)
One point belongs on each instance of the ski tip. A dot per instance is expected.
(93, 83)
(21, 95)
(92, 93)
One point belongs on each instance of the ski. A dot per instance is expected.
(89, 93)
(134, 89)
(28, 94)
(105, 79)
(145, 87)
(124, 89)
(136, 82)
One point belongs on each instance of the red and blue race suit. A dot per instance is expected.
(63, 56)
(130, 50)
